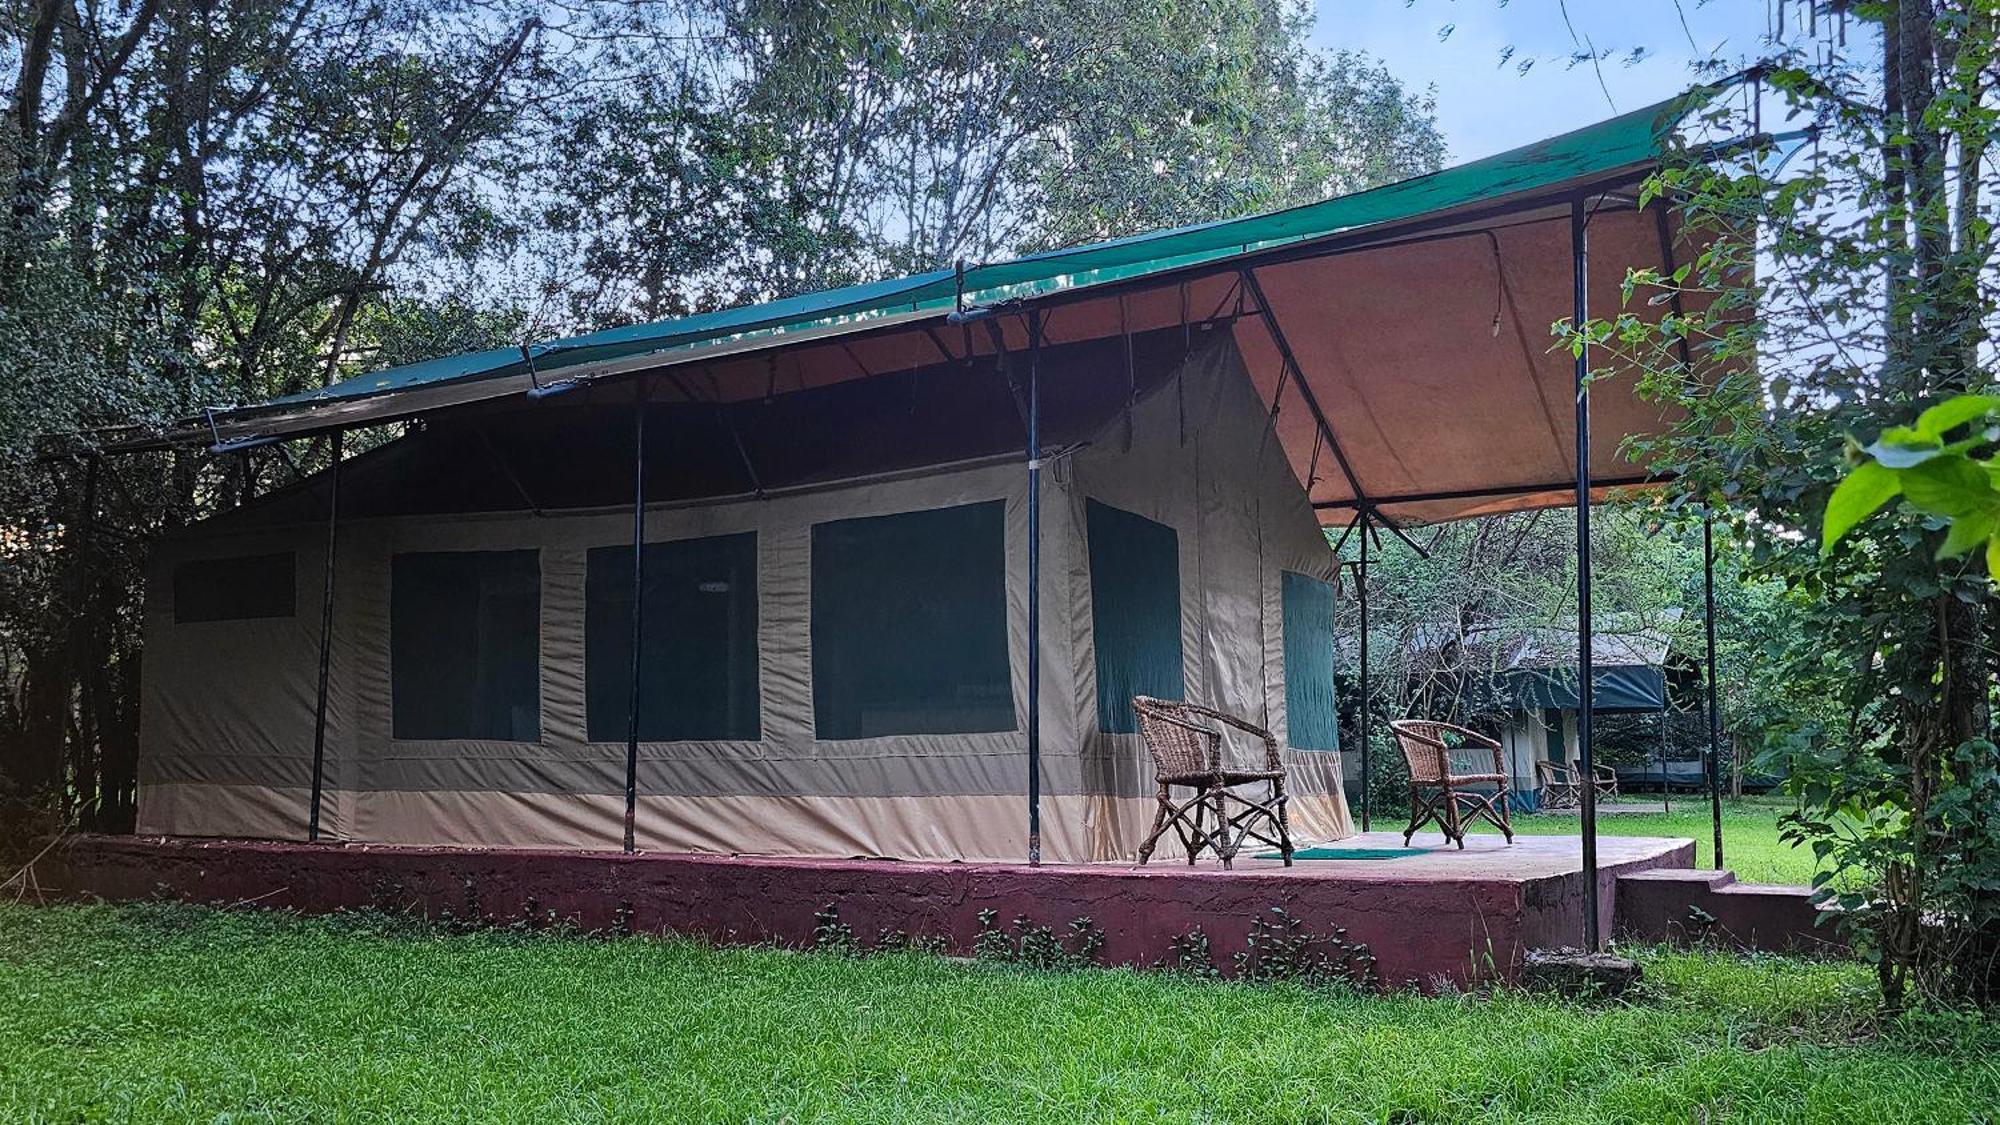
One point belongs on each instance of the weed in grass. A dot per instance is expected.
(1280, 948)
(1036, 946)
(1192, 954)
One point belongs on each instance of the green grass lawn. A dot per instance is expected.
(174, 1013)
(1750, 844)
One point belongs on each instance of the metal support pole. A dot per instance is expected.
(325, 639)
(1666, 727)
(638, 605)
(1714, 711)
(1364, 726)
(1034, 587)
(1580, 312)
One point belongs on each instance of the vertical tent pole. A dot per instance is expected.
(1580, 275)
(1714, 712)
(1666, 714)
(1034, 587)
(638, 601)
(1362, 727)
(325, 639)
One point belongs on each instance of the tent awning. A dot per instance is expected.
(1401, 334)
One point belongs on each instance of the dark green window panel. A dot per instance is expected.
(1135, 612)
(909, 624)
(235, 589)
(464, 645)
(698, 643)
(1311, 708)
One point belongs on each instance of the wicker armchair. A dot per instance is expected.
(1559, 786)
(1438, 792)
(1562, 786)
(1187, 742)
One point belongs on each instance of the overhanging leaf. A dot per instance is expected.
(1949, 486)
(1867, 488)
(1955, 412)
(1968, 532)
(1901, 447)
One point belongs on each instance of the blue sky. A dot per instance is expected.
(1486, 107)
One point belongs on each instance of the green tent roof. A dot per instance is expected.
(1626, 143)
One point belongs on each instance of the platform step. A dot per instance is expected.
(1689, 905)
(1693, 876)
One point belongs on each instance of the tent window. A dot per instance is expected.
(909, 624)
(1312, 713)
(1135, 612)
(698, 642)
(235, 589)
(464, 645)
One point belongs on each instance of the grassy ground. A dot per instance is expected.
(164, 1014)
(1750, 843)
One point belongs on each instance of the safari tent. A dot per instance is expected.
(876, 571)
(833, 654)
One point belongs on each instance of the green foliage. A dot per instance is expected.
(1848, 291)
(174, 1013)
(1938, 478)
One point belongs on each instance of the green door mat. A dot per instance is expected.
(1346, 853)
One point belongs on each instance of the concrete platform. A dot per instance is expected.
(1443, 917)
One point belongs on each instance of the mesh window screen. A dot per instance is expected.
(1311, 710)
(235, 589)
(1135, 612)
(698, 645)
(909, 624)
(464, 645)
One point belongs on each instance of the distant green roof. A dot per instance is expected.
(1629, 141)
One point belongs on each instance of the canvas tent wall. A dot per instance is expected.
(478, 618)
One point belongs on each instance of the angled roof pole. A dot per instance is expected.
(1580, 276)
(1291, 369)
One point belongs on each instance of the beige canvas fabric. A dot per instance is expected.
(227, 713)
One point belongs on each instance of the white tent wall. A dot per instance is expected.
(227, 713)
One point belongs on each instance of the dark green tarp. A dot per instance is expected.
(1312, 710)
(1616, 688)
(909, 624)
(698, 641)
(464, 645)
(235, 589)
(1135, 612)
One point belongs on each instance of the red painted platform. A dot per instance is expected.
(1443, 917)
